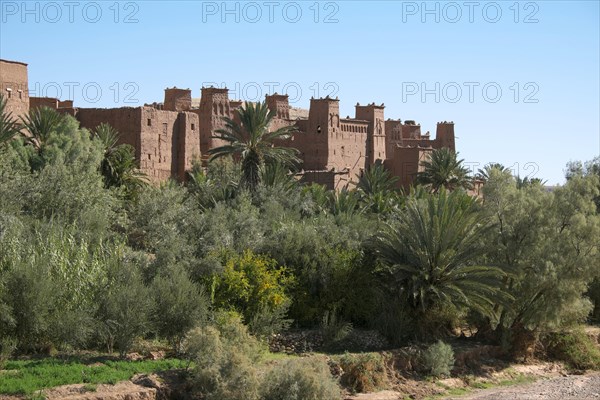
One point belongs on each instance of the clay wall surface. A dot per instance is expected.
(14, 86)
(405, 163)
(393, 135)
(399, 134)
(65, 104)
(411, 131)
(159, 143)
(331, 180)
(127, 121)
(165, 142)
(35, 102)
(189, 142)
(177, 99)
(72, 111)
(347, 148)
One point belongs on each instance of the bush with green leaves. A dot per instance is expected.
(178, 305)
(124, 306)
(225, 356)
(61, 182)
(547, 241)
(30, 295)
(438, 359)
(329, 273)
(299, 379)
(267, 321)
(574, 347)
(49, 267)
(163, 223)
(8, 346)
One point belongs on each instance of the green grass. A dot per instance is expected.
(27, 377)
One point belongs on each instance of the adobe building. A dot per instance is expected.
(15, 87)
(168, 136)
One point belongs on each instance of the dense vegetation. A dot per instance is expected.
(93, 257)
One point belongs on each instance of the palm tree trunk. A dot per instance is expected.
(250, 170)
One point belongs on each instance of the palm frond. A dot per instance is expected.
(40, 123)
(9, 127)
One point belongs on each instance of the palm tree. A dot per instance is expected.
(118, 167)
(251, 140)
(484, 174)
(319, 197)
(525, 182)
(377, 189)
(9, 127)
(444, 169)
(345, 202)
(40, 123)
(432, 254)
(277, 176)
(376, 179)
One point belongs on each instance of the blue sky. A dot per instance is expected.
(520, 80)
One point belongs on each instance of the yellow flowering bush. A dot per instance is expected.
(250, 283)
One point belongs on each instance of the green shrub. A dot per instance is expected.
(179, 305)
(7, 347)
(124, 306)
(575, 348)
(31, 295)
(364, 372)
(47, 267)
(438, 359)
(299, 379)
(224, 359)
(268, 321)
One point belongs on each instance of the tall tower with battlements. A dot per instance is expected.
(214, 105)
(323, 122)
(444, 135)
(375, 146)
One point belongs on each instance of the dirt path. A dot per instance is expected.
(568, 387)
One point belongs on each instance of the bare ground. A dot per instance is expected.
(552, 383)
(565, 387)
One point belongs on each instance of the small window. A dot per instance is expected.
(9, 90)
(193, 127)
(20, 94)
(149, 122)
